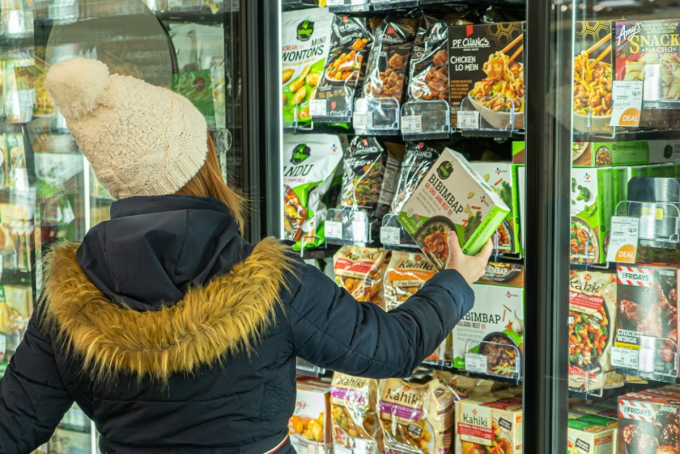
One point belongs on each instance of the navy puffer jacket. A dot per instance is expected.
(175, 335)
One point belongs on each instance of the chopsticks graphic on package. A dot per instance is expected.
(597, 45)
(513, 44)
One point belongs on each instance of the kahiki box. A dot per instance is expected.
(452, 196)
(649, 424)
(310, 426)
(486, 423)
(645, 339)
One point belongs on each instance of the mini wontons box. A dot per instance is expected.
(452, 196)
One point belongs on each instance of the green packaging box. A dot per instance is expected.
(592, 206)
(452, 196)
(605, 154)
(502, 176)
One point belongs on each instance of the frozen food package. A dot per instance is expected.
(311, 162)
(406, 273)
(360, 271)
(487, 424)
(417, 161)
(452, 196)
(592, 315)
(494, 14)
(310, 426)
(429, 68)
(306, 40)
(353, 407)
(649, 424)
(416, 419)
(592, 208)
(343, 75)
(196, 86)
(461, 386)
(487, 73)
(389, 58)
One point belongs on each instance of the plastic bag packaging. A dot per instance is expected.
(417, 161)
(355, 423)
(360, 271)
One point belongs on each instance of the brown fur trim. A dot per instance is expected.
(226, 317)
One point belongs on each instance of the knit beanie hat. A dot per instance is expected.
(141, 140)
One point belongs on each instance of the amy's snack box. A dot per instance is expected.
(592, 207)
(310, 426)
(645, 341)
(490, 338)
(592, 313)
(592, 77)
(501, 176)
(486, 65)
(485, 423)
(649, 424)
(649, 51)
(452, 196)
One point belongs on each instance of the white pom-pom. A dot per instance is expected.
(76, 85)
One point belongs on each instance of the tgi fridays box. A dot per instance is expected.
(591, 435)
(482, 423)
(487, 73)
(645, 341)
(502, 177)
(310, 426)
(592, 207)
(592, 315)
(592, 77)
(490, 338)
(452, 196)
(649, 424)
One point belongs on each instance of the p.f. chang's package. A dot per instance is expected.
(429, 71)
(452, 196)
(351, 41)
(307, 175)
(353, 409)
(416, 419)
(487, 72)
(306, 40)
(646, 333)
(592, 313)
(388, 61)
(360, 271)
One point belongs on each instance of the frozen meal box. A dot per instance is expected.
(645, 339)
(503, 273)
(592, 313)
(482, 424)
(648, 424)
(487, 72)
(490, 338)
(306, 41)
(592, 77)
(501, 176)
(519, 152)
(452, 196)
(605, 154)
(522, 194)
(310, 426)
(592, 207)
(649, 51)
(591, 435)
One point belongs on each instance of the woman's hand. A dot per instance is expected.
(471, 268)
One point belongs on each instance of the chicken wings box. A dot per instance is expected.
(452, 196)
(645, 340)
(649, 422)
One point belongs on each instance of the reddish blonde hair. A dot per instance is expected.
(208, 182)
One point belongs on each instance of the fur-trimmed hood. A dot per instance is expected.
(224, 317)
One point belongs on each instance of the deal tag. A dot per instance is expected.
(411, 124)
(627, 102)
(476, 363)
(390, 235)
(333, 229)
(468, 119)
(623, 239)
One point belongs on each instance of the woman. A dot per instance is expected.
(170, 331)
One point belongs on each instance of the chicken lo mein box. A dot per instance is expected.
(452, 196)
(646, 336)
(486, 64)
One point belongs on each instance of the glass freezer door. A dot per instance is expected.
(48, 192)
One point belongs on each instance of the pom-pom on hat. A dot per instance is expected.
(141, 140)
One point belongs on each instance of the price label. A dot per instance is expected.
(390, 235)
(625, 357)
(333, 229)
(476, 363)
(411, 124)
(358, 2)
(339, 449)
(623, 239)
(318, 107)
(359, 231)
(363, 120)
(468, 119)
(175, 3)
(627, 102)
(335, 2)
(647, 359)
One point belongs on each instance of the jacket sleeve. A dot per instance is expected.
(333, 330)
(33, 398)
